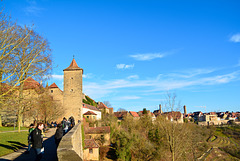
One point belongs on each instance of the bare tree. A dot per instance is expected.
(121, 110)
(175, 133)
(107, 103)
(9, 42)
(33, 55)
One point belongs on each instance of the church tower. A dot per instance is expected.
(72, 94)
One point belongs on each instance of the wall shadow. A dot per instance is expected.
(50, 152)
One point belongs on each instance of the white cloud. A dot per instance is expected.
(58, 77)
(147, 86)
(124, 66)
(235, 38)
(133, 77)
(89, 75)
(33, 9)
(148, 56)
(193, 72)
(128, 98)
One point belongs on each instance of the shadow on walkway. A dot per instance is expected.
(50, 153)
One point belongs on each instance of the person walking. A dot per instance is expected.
(59, 134)
(31, 128)
(65, 125)
(37, 141)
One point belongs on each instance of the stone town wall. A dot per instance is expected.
(70, 147)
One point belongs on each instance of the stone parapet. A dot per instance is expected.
(70, 147)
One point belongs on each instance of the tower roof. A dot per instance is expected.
(73, 66)
(53, 86)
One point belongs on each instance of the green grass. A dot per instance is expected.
(12, 141)
(12, 128)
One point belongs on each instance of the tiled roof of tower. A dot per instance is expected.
(90, 143)
(89, 113)
(53, 86)
(73, 66)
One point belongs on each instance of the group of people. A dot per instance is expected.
(63, 128)
(35, 137)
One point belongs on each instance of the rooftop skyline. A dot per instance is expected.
(134, 52)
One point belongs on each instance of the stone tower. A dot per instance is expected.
(72, 94)
(160, 108)
(185, 109)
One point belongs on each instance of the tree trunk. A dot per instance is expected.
(20, 105)
(19, 121)
(0, 120)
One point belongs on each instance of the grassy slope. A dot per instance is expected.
(12, 141)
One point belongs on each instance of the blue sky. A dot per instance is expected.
(135, 51)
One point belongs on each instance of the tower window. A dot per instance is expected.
(51, 91)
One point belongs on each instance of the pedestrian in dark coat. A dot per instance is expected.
(37, 141)
(59, 134)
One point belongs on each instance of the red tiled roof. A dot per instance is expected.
(53, 86)
(89, 113)
(102, 105)
(73, 66)
(97, 130)
(90, 107)
(30, 83)
(134, 114)
(90, 143)
(120, 114)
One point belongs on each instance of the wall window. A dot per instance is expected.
(90, 150)
(51, 91)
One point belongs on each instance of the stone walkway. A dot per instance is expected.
(49, 146)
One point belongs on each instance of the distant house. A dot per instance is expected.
(90, 115)
(100, 134)
(93, 109)
(104, 108)
(198, 116)
(121, 115)
(134, 115)
(91, 150)
(140, 113)
(174, 116)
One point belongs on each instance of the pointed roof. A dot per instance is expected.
(102, 106)
(73, 66)
(53, 86)
(89, 113)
